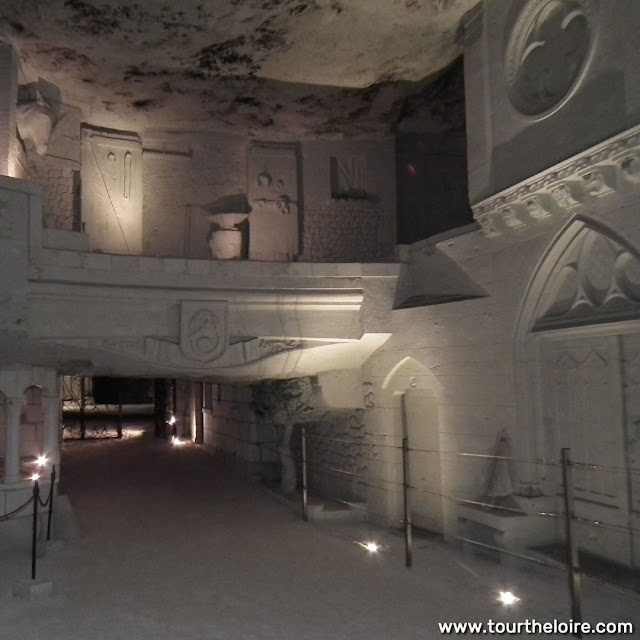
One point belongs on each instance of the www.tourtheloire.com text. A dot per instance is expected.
(535, 627)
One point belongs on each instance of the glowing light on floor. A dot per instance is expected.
(41, 461)
(371, 547)
(506, 597)
(176, 442)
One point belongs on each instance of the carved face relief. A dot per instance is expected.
(546, 53)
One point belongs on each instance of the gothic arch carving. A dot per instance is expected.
(588, 275)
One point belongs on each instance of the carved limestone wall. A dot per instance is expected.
(341, 452)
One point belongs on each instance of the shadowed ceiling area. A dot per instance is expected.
(263, 67)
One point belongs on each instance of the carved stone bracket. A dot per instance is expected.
(600, 172)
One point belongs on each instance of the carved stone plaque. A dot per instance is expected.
(546, 53)
(111, 174)
(273, 196)
(203, 330)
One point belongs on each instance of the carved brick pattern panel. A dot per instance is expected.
(344, 234)
(59, 200)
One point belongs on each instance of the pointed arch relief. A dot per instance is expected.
(588, 276)
(408, 373)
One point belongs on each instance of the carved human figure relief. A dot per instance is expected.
(546, 53)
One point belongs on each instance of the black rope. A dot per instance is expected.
(15, 512)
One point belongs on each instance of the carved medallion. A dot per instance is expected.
(546, 53)
(203, 330)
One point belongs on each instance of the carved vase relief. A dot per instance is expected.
(226, 238)
(546, 53)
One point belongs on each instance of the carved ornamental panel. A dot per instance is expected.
(546, 53)
(111, 174)
(203, 330)
(273, 197)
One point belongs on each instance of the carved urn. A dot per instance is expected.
(226, 239)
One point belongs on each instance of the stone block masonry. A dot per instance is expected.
(344, 233)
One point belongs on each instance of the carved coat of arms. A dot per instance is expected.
(203, 330)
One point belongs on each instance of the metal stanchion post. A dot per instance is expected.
(407, 510)
(51, 491)
(119, 407)
(573, 559)
(34, 528)
(82, 405)
(305, 504)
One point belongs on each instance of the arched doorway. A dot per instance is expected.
(578, 366)
(409, 390)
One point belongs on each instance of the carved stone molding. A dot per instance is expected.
(603, 171)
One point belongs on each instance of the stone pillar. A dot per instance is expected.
(12, 453)
(8, 99)
(199, 413)
(51, 410)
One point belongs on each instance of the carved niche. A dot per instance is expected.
(111, 174)
(546, 53)
(273, 197)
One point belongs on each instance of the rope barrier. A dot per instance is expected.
(545, 563)
(15, 512)
(610, 587)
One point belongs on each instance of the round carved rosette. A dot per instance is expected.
(547, 53)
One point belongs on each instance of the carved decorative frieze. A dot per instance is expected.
(607, 169)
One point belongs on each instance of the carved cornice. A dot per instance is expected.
(610, 168)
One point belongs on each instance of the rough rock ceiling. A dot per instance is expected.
(299, 67)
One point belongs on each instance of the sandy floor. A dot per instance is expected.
(174, 546)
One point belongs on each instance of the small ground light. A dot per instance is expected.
(371, 547)
(42, 461)
(176, 442)
(506, 597)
